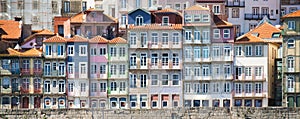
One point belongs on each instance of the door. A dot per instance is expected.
(37, 102)
(25, 103)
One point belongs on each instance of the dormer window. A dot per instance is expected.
(165, 20)
(255, 34)
(291, 43)
(275, 35)
(139, 20)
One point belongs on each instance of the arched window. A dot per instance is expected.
(139, 20)
(291, 43)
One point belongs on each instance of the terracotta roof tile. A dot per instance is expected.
(118, 40)
(55, 39)
(78, 18)
(98, 39)
(93, 9)
(32, 53)
(265, 30)
(293, 14)
(77, 38)
(11, 28)
(157, 27)
(45, 32)
(40, 32)
(13, 52)
(197, 7)
(167, 10)
(249, 38)
(220, 22)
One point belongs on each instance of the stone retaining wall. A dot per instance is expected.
(179, 113)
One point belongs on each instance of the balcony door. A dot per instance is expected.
(25, 103)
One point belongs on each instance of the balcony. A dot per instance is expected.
(256, 16)
(38, 90)
(25, 71)
(24, 90)
(235, 3)
(37, 71)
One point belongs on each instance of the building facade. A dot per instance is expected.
(290, 60)
(55, 80)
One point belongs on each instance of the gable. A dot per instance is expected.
(146, 16)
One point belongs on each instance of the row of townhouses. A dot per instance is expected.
(165, 59)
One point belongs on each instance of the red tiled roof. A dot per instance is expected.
(157, 27)
(78, 18)
(118, 40)
(293, 14)
(11, 28)
(55, 39)
(77, 38)
(40, 32)
(265, 30)
(45, 32)
(249, 38)
(98, 39)
(197, 7)
(166, 10)
(32, 53)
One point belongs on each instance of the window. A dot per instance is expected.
(205, 87)
(216, 51)
(188, 71)
(255, 10)
(215, 87)
(188, 36)
(113, 51)
(205, 18)
(83, 68)
(258, 71)
(258, 50)
(94, 87)
(216, 9)
(143, 59)
(258, 87)
(48, 50)
(197, 71)
(123, 3)
(71, 68)
(102, 69)
(132, 81)
(227, 70)
(252, 26)
(197, 53)
(238, 88)
(3, 6)
(188, 18)
(113, 86)
(177, 6)
(35, 4)
(122, 69)
(227, 51)
(165, 20)
(205, 36)
(291, 43)
(71, 87)
(154, 59)
(175, 38)
(83, 5)
(47, 86)
(290, 63)
(5, 82)
(216, 33)
(165, 80)
(248, 50)
(71, 50)
(150, 3)
(122, 51)
(66, 6)
(197, 88)
(197, 36)
(248, 88)
(113, 70)
(235, 12)
(60, 50)
(165, 38)
(265, 10)
(154, 79)
(154, 39)
(47, 69)
(93, 51)
(122, 86)
(227, 87)
(139, 20)
(82, 87)
(37, 84)
(175, 80)
(102, 51)
(165, 59)
(82, 50)
(248, 71)
(133, 100)
(133, 38)
(93, 69)
(102, 87)
(133, 60)
(143, 78)
(187, 88)
(226, 33)
(143, 101)
(290, 83)
(25, 65)
(143, 39)
(205, 53)
(20, 4)
(197, 18)
(238, 50)
(61, 86)
(54, 7)
(61, 69)
(175, 59)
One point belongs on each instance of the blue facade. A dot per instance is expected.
(76, 58)
(139, 13)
